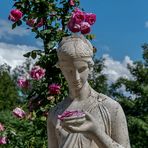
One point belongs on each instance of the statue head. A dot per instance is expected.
(75, 59)
(75, 47)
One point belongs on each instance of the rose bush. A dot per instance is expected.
(49, 20)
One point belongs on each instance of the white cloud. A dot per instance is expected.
(115, 69)
(6, 30)
(13, 54)
(105, 48)
(146, 24)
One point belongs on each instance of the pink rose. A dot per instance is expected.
(85, 27)
(1, 127)
(37, 73)
(19, 113)
(76, 28)
(74, 113)
(71, 2)
(23, 82)
(3, 140)
(30, 22)
(15, 15)
(90, 18)
(40, 24)
(78, 16)
(54, 89)
(73, 27)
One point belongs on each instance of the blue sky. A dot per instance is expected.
(120, 28)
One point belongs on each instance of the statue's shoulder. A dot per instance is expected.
(110, 103)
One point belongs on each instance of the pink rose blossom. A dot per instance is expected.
(71, 2)
(37, 73)
(54, 89)
(90, 18)
(23, 82)
(78, 16)
(3, 140)
(19, 113)
(85, 27)
(73, 27)
(81, 21)
(15, 15)
(74, 113)
(76, 28)
(30, 22)
(1, 127)
(40, 24)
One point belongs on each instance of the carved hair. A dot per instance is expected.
(76, 46)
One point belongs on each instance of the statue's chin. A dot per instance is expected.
(78, 88)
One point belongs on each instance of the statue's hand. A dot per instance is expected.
(88, 126)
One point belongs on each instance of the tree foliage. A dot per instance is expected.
(97, 80)
(8, 91)
(135, 104)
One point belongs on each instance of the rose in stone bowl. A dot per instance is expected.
(72, 117)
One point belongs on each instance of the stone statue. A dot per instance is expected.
(92, 119)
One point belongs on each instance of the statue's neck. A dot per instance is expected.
(80, 94)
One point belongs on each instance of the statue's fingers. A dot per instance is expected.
(66, 129)
(89, 116)
(74, 129)
(68, 121)
(76, 121)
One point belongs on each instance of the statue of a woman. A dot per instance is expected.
(104, 124)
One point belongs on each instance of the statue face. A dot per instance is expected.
(75, 71)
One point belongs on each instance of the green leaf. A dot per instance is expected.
(33, 54)
(43, 118)
(34, 114)
(27, 55)
(90, 36)
(19, 23)
(51, 44)
(14, 25)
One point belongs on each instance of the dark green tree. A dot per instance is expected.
(8, 91)
(135, 103)
(98, 80)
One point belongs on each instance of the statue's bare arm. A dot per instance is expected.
(52, 139)
(119, 137)
(119, 127)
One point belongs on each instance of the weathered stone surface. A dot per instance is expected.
(104, 124)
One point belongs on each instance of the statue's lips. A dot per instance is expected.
(77, 85)
(68, 115)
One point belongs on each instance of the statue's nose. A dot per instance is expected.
(76, 75)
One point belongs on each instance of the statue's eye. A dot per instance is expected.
(82, 69)
(71, 71)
